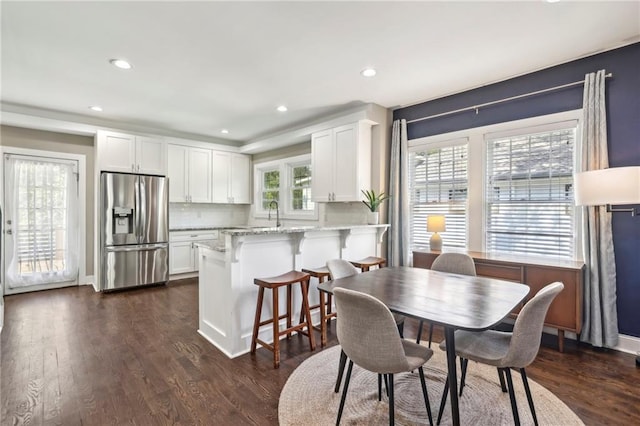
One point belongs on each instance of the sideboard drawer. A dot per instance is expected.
(502, 272)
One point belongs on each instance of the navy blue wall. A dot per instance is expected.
(623, 116)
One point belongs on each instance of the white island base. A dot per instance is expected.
(228, 296)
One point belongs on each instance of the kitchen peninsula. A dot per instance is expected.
(227, 295)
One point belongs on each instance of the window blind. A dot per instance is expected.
(438, 186)
(529, 193)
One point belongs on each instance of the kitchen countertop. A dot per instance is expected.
(259, 230)
(256, 230)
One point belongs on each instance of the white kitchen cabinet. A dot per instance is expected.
(341, 162)
(231, 177)
(121, 152)
(189, 171)
(183, 253)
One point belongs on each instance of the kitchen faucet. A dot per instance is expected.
(277, 212)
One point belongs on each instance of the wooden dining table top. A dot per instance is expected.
(453, 300)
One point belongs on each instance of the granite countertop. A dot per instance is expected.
(212, 246)
(258, 230)
(197, 228)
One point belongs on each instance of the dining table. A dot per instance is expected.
(456, 302)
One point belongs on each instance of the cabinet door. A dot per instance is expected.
(346, 186)
(322, 165)
(150, 156)
(199, 175)
(182, 257)
(239, 179)
(178, 164)
(116, 152)
(220, 185)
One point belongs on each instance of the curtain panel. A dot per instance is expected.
(398, 241)
(600, 316)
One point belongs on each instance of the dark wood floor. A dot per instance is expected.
(72, 356)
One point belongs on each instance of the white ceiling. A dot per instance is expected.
(200, 67)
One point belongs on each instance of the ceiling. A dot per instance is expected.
(201, 67)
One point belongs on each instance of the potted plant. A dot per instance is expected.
(373, 201)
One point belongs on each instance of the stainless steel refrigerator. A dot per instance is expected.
(134, 230)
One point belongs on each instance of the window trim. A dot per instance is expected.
(285, 166)
(477, 159)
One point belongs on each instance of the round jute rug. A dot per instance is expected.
(308, 398)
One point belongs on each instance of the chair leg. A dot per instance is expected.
(379, 387)
(419, 331)
(430, 333)
(276, 328)
(512, 397)
(501, 377)
(425, 394)
(443, 401)
(343, 361)
(401, 329)
(256, 322)
(463, 369)
(344, 392)
(392, 420)
(525, 382)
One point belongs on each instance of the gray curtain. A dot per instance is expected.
(398, 241)
(600, 316)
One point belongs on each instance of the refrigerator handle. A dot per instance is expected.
(138, 214)
(142, 208)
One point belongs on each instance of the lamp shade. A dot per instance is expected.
(618, 185)
(436, 224)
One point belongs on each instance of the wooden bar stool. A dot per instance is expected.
(274, 283)
(321, 273)
(366, 263)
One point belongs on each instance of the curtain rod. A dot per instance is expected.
(499, 101)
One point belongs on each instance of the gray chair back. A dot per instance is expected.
(368, 334)
(527, 330)
(454, 263)
(340, 268)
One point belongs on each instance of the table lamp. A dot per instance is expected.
(436, 224)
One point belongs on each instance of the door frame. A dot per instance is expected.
(82, 206)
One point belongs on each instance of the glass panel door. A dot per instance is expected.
(41, 207)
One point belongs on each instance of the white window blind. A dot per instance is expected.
(529, 193)
(438, 186)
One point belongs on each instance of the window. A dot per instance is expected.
(287, 181)
(270, 187)
(438, 186)
(529, 193)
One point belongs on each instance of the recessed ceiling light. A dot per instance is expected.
(553, 1)
(282, 108)
(121, 63)
(368, 72)
(95, 108)
(225, 131)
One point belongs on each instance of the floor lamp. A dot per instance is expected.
(614, 186)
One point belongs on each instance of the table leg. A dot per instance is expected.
(453, 380)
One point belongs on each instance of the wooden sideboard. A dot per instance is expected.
(565, 313)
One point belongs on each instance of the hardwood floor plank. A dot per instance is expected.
(75, 357)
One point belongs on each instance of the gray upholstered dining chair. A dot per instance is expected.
(340, 268)
(507, 350)
(453, 263)
(368, 335)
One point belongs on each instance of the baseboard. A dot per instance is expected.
(629, 344)
(1, 312)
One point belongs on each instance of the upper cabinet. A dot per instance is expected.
(189, 171)
(341, 162)
(231, 173)
(120, 152)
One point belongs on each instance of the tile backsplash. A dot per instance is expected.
(182, 215)
(214, 215)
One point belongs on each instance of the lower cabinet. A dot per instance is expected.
(183, 253)
(565, 313)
